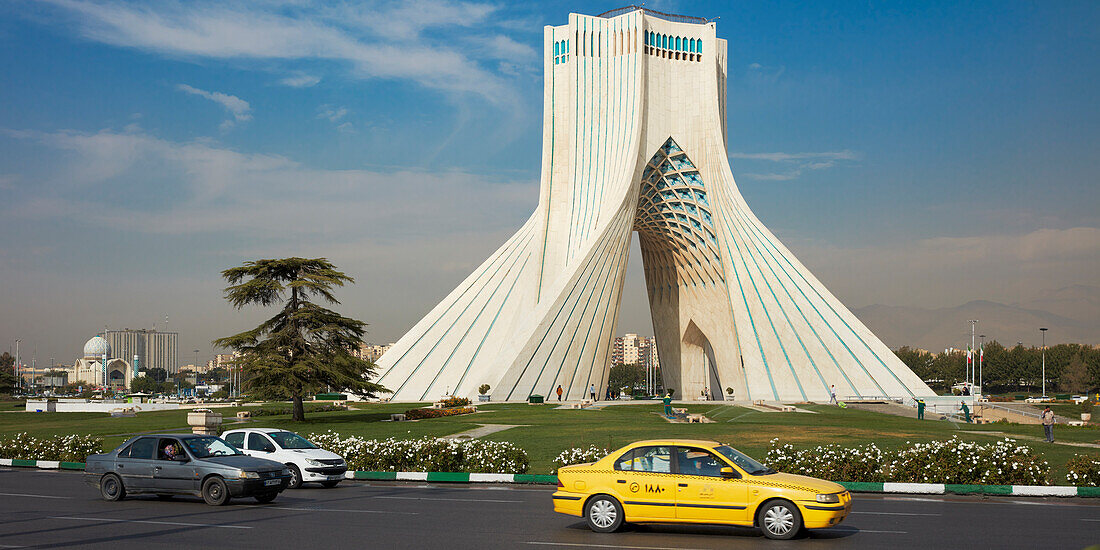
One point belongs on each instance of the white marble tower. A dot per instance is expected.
(634, 140)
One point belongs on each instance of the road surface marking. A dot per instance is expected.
(1089, 519)
(859, 530)
(449, 499)
(590, 545)
(179, 523)
(336, 510)
(33, 496)
(896, 514)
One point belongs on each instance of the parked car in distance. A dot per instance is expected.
(305, 460)
(184, 464)
(687, 481)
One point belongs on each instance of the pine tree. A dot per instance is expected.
(304, 347)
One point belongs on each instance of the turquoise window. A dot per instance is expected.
(556, 46)
(699, 47)
(692, 45)
(677, 43)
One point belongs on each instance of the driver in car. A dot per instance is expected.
(171, 451)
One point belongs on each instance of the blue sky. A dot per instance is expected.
(909, 153)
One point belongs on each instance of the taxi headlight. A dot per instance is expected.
(249, 475)
(829, 499)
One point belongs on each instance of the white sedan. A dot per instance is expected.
(306, 461)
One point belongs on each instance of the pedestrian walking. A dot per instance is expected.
(668, 404)
(832, 394)
(966, 412)
(1048, 424)
(559, 392)
(592, 391)
(920, 409)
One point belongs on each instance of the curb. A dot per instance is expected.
(854, 486)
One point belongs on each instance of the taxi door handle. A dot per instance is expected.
(683, 485)
(620, 481)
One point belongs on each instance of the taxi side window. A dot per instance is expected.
(235, 439)
(625, 462)
(646, 459)
(697, 462)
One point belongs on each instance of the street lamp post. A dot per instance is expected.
(15, 369)
(981, 360)
(1044, 331)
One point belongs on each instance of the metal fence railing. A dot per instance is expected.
(659, 14)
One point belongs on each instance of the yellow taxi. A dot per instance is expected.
(688, 481)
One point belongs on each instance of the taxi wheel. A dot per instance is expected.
(603, 514)
(779, 519)
(214, 492)
(110, 487)
(295, 477)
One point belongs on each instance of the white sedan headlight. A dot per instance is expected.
(314, 462)
(829, 499)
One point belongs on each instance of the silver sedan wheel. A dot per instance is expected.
(778, 520)
(603, 513)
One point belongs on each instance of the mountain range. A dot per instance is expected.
(1072, 314)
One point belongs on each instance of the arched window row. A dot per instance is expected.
(561, 51)
(674, 47)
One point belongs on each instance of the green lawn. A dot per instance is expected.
(544, 431)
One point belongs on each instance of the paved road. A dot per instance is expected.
(45, 509)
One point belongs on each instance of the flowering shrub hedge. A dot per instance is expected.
(832, 462)
(427, 454)
(455, 402)
(264, 411)
(68, 448)
(417, 414)
(952, 461)
(577, 455)
(1083, 470)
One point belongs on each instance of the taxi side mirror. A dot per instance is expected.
(728, 472)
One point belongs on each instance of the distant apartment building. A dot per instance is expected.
(371, 352)
(635, 350)
(154, 349)
(221, 361)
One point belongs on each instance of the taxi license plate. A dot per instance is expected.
(272, 482)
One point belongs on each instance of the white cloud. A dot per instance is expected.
(947, 271)
(302, 30)
(801, 162)
(225, 190)
(239, 108)
(783, 157)
(333, 114)
(300, 81)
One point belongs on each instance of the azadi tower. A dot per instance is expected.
(634, 139)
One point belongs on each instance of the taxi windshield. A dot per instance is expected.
(291, 440)
(743, 460)
(205, 447)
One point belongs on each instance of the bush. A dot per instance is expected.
(832, 462)
(418, 414)
(427, 454)
(577, 455)
(265, 411)
(952, 461)
(69, 448)
(454, 402)
(1083, 470)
